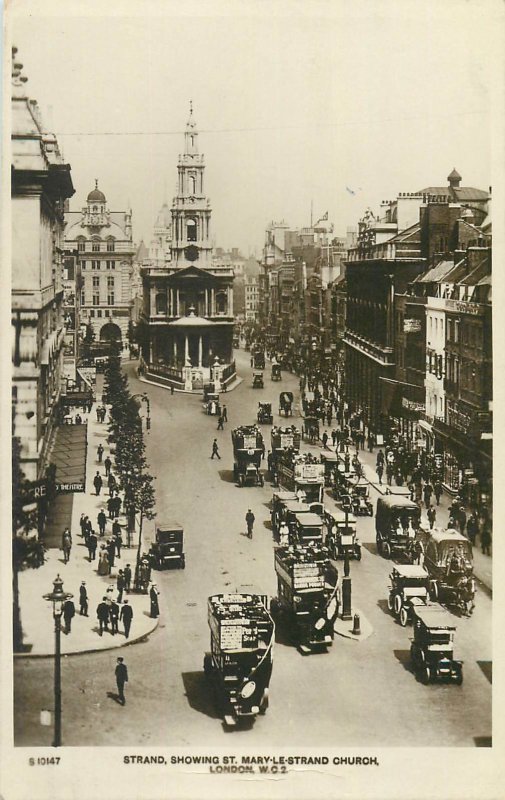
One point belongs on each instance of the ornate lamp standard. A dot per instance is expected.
(145, 398)
(57, 597)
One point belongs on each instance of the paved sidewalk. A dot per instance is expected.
(36, 613)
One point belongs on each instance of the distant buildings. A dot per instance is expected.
(187, 319)
(41, 183)
(104, 244)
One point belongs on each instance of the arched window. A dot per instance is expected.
(111, 245)
(95, 245)
(191, 229)
(81, 244)
(161, 303)
(192, 184)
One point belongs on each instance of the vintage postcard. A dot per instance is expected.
(250, 400)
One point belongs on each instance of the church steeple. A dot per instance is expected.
(191, 134)
(191, 211)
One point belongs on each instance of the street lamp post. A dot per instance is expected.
(145, 398)
(57, 597)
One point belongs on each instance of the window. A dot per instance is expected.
(83, 298)
(191, 229)
(96, 298)
(99, 312)
(81, 245)
(95, 247)
(111, 245)
(110, 282)
(192, 183)
(83, 264)
(110, 298)
(96, 281)
(92, 313)
(95, 265)
(111, 265)
(161, 304)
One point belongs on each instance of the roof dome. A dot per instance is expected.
(96, 196)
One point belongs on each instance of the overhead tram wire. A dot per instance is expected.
(343, 124)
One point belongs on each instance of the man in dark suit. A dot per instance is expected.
(121, 679)
(126, 617)
(102, 613)
(83, 599)
(114, 617)
(111, 550)
(68, 614)
(92, 543)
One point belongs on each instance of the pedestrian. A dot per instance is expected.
(66, 545)
(117, 506)
(220, 423)
(249, 518)
(215, 450)
(97, 483)
(153, 596)
(432, 515)
(101, 521)
(127, 574)
(83, 599)
(462, 519)
(126, 616)
(92, 544)
(99, 452)
(83, 526)
(98, 414)
(389, 472)
(224, 414)
(68, 614)
(111, 552)
(438, 490)
(102, 613)
(113, 616)
(485, 539)
(121, 678)
(427, 492)
(111, 483)
(333, 437)
(107, 464)
(324, 439)
(380, 458)
(472, 527)
(78, 419)
(172, 389)
(120, 586)
(370, 442)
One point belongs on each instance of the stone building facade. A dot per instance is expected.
(104, 243)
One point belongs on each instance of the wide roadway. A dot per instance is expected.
(358, 693)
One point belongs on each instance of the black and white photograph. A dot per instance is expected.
(249, 399)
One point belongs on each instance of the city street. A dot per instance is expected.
(359, 693)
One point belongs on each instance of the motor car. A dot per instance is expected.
(447, 557)
(396, 520)
(432, 648)
(341, 537)
(168, 548)
(258, 382)
(408, 589)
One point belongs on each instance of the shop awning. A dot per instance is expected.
(69, 456)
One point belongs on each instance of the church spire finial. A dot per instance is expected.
(96, 183)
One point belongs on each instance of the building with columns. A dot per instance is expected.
(187, 317)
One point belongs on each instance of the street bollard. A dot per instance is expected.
(356, 629)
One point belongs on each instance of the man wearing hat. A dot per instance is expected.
(121, 679)
(126, 617)
(153, 595)
(83, 599)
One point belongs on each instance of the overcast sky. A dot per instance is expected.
(296, 102)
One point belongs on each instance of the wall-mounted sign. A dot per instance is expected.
(411, 325)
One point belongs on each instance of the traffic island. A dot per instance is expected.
(345, 627)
